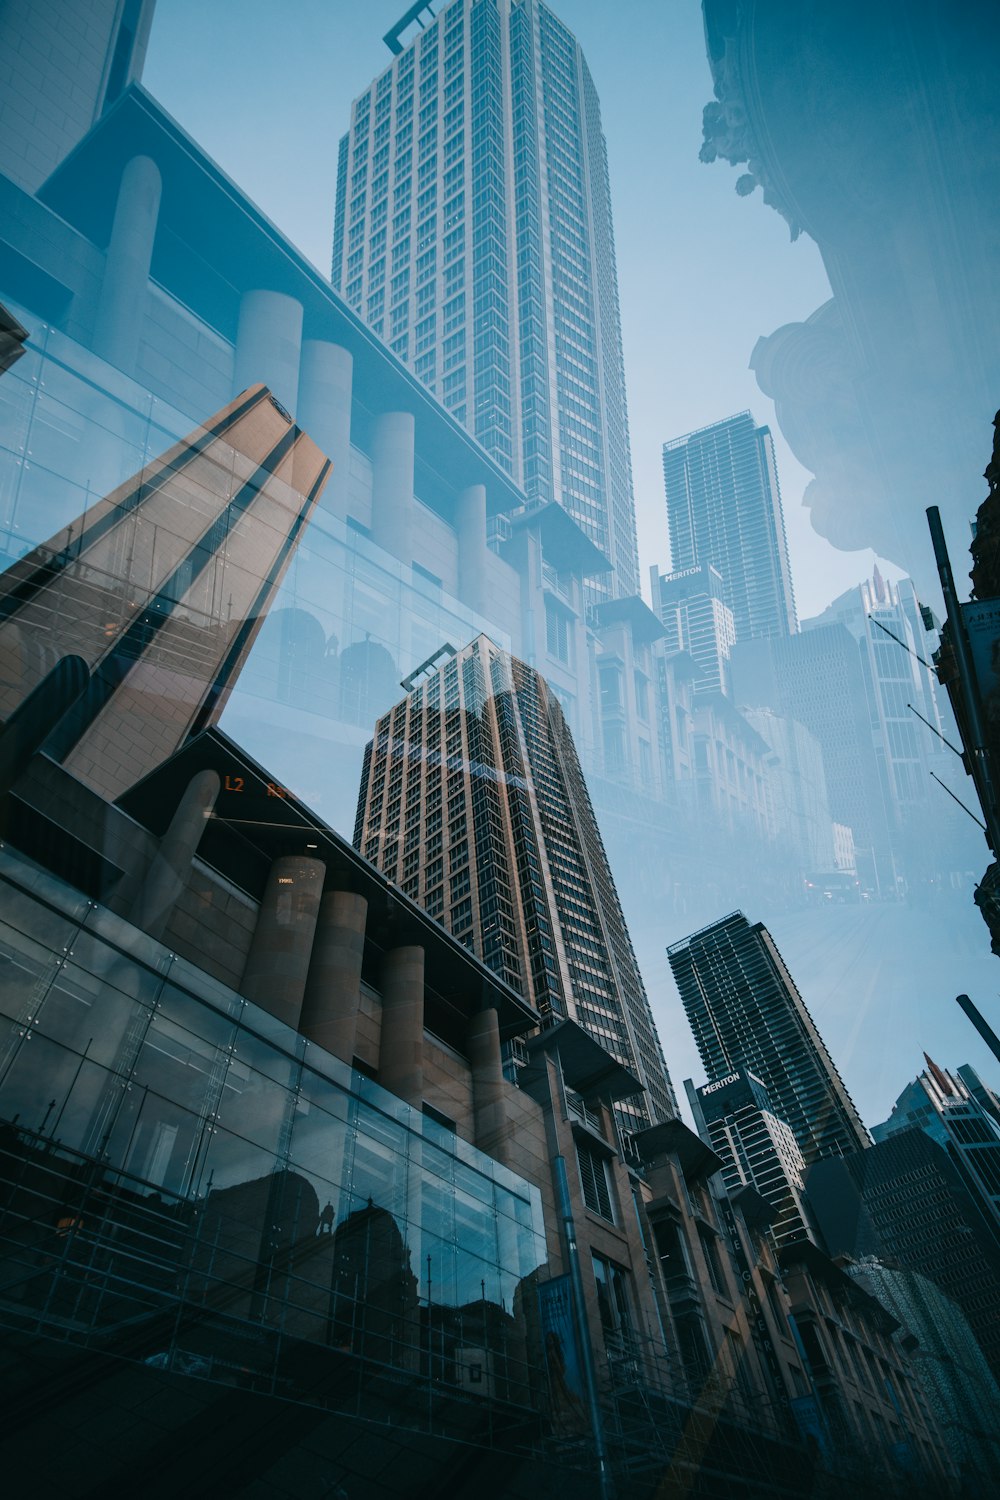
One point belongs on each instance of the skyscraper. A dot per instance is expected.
(746, 1013)
(691, 604)
(161, 587)
(59, 70)
(473, 231)
(735, 1116)
(472, 799)
(816, 677)
(724, 508)
(943, 1105)
(905, 1200)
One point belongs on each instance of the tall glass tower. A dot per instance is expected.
(724, 508)
(747, 1015)
(473, 231)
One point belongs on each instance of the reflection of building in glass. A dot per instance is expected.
(312, 1209)
(905, 1201)
(884, 619)
(816, 678)
(724, 510)
(258, 1080)
(153, 292)
(161, 587)
(949, 1367)
(200, 1184)
(474, 802)
(746, 1013)
(491, 267)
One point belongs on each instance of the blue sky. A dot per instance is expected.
(702, 273)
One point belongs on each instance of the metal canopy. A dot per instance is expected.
(674, 1138)
(587, 1068)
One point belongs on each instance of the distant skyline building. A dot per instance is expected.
(943, 1105)
(906, 1200)
(798, 784)
(724, 509)
(473, 232)
(884, 618)
(746, 1014)
(735, 1117)
(816, 677)
(696, 618)
(472, 799)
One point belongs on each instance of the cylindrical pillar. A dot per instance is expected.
(122, 302)
(168, 874)
(324, 411)
(277, 966)
(333, 991)
(392, 482)
(269, 345)
(472, 546)
(486, 1062)
(401, 1053)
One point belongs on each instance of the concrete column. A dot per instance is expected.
(167, 876)
(401, 1055)
(121, 305)
(269, 344)
(392, 482)
(488, 1088)
(472, 549)
(278, 962)
(333, 991)
(324, 411)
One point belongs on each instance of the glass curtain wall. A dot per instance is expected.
(188, 1182)
(347, 623)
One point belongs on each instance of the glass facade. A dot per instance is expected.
(345, 623)
(189, 1182)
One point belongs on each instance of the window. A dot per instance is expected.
(594, 1181)
(614, 1299)
(558, 633)
(710, 1250)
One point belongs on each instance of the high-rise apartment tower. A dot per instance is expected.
(746, 1013)
(724, 508)
(473, 231)
(757, 1150)
(472, 799)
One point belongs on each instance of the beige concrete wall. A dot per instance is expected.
(448, 1084)
(369, 1033)
(212, 925)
